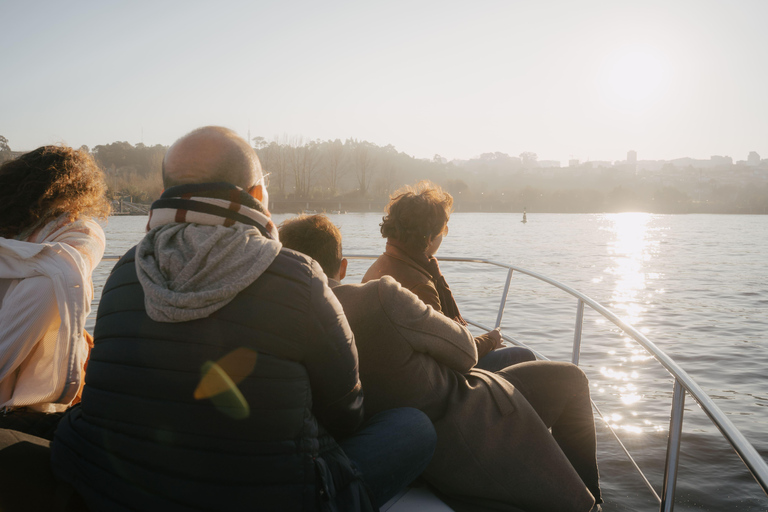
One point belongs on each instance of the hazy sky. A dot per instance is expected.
(591, 79)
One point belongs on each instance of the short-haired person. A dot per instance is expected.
(494, 450)
(50, 244)
(414, 225)
(224, 373)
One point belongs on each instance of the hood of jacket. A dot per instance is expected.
(188, 271)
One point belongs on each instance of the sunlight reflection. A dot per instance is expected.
(629, 251)
(629, 399)
(630, 248)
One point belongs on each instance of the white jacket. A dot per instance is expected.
(45, 297)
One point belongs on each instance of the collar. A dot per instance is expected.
(211, 204)
(395, 252)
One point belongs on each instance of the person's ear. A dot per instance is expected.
(257, 192)
(343, 269)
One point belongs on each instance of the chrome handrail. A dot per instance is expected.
(683, 382)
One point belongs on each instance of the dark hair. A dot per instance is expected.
(416, 214)
(48, 182)
(315, 236)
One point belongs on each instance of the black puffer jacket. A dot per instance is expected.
(141, 440)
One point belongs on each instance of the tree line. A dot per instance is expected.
(355, 171)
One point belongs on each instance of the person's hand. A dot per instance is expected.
(495, 335)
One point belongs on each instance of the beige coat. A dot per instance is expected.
(398, 265)
(493, 451)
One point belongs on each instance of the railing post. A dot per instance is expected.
(504, 298)
(577, 333)
(673, 449)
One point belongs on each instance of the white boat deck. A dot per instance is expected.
(415, 499)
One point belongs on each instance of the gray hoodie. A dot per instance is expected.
(188, 271)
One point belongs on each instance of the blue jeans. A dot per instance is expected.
(500, 358)
(391, 449)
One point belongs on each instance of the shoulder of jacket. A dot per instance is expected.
(289, 255)
(293, 264)
(388, 284)
(393, 295)
(128, 258)
(356, 290)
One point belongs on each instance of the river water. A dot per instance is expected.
(695, 285)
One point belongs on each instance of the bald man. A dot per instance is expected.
(224, 374)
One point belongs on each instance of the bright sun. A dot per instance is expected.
(633, 78)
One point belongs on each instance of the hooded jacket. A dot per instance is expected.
(230, 410)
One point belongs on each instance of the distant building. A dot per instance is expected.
(651, 165)
(690, 162)
(753, 158)
(720, 160)
(573, 162)
(549, 163)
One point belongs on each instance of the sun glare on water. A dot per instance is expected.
(629, 251)
(632, 244)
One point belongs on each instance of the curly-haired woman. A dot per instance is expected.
(49, 245)
(415, 223)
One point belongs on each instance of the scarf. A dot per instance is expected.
(205, 244)
(448, 304)
(211, 204)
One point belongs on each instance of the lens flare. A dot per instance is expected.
(220, 379)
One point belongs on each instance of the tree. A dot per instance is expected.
(437, 159)
(529, 158)
(386, 180)
(303, 160)
(5, 149)
(115, 155)
(362, 157)
(333, 163)
(274, 159)
(456, 187)
(131, 171)
(259, 143)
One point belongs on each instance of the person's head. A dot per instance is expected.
(212, 154)
(46, 183)
(417, 216)
(318, 238)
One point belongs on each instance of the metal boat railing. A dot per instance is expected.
(683, 382)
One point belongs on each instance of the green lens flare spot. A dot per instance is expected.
(219, 382)
(217, 386)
